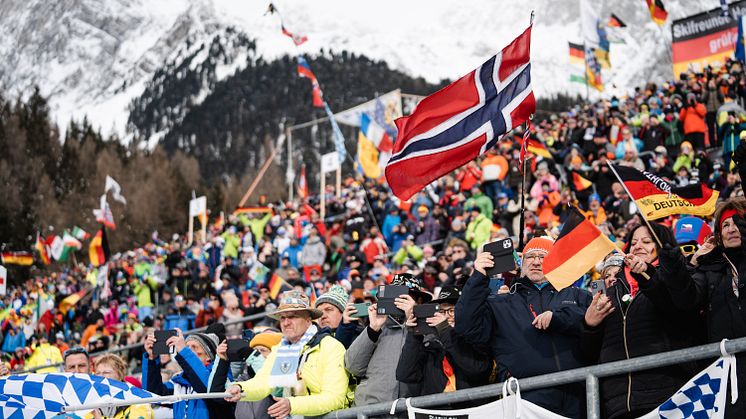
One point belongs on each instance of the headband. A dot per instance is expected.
(730, 212)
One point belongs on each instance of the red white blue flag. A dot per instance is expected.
(304, 70)
(463, 120)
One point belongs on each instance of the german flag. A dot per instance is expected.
(578, 248)
(98, 250)
(277, 286)
(656, 198)
(43, 249)
(577, 54)
(615, 22)
(71, 300)
(17, 258)
(537, 148)
(657, 11)
(579, 182)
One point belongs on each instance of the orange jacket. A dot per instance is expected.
(693, 119)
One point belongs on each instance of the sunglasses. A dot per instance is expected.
(74, 351)
(688, 249)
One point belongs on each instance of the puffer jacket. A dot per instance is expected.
(649, 324)
(372, 359)
(323, 375)
(709, 288)
(504, 323)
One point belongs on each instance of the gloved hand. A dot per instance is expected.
(670, 253)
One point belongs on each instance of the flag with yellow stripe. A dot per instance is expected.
(578, 248)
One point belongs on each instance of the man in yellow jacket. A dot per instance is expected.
(44, 354)
(305, 372)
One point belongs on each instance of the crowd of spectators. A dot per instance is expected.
(685, 131)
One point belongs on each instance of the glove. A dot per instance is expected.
(670, 253)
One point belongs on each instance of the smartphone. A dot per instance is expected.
(596, 286)
(362, 310)
(386, 296)
(247, 335)
(238, 350)
(423, 311)
(160, 347)
(502, 255)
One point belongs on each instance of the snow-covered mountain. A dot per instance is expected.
(93, 57)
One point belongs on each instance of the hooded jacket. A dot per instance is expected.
(314, 252)
(504, 323)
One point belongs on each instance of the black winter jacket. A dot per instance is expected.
(421, 361)
(709, 288)
(504, 323)
(649, 324)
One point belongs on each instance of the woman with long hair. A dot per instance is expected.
(635, 317)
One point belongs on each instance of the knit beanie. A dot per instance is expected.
(541, 244)
(208, 341)
(266, 339)
(336, 296)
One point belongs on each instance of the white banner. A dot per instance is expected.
(703, 396)
(198, 206)
(509, 407)
(387, 106)
(329, 162)
(3, 280)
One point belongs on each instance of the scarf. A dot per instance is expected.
(633, 285)
(287, 363)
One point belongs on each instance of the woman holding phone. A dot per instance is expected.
(636, 317)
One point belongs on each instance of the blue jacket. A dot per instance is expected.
(12, 342)
(503, 323)
(194, 378)
(292, 252)
(389, 223)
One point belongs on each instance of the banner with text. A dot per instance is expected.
(705, 38)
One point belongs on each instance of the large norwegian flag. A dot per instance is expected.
(464, 119)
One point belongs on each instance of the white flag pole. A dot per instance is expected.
(147, 400)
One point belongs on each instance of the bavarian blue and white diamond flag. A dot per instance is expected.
(704, 396)
(42, 396)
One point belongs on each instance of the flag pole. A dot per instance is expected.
(522, 221)
(644, 218)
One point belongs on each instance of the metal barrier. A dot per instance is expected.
(588, 374)
(137, 345)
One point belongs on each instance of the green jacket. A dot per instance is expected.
(232, 243)
(413, 252)
(478, 231)
(256, 224)
(142, 291)
(482, 201)
(323, 374)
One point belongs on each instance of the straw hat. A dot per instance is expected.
(294, 301)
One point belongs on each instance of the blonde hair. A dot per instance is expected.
(115, 361)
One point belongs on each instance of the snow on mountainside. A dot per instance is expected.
(92, 57)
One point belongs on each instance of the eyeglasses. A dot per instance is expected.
(74, 351)
(448, 311)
